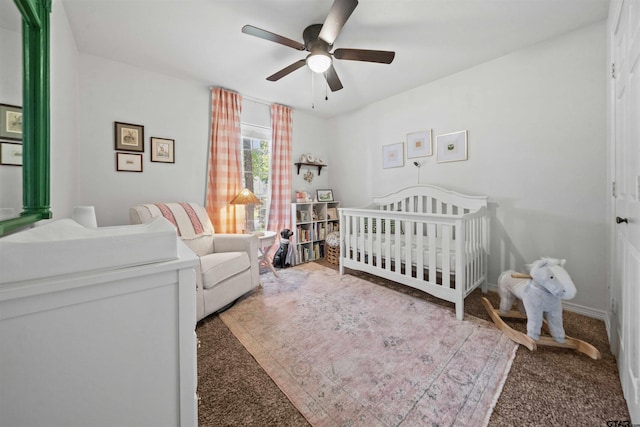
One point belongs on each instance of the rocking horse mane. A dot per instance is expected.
(544, 261)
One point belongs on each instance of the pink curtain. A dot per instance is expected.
(225, 167)
(281, 169)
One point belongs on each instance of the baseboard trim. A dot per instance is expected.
(576, 308)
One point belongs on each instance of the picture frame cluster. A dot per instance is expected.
(450, 147)
(10, 135)
(129, 146)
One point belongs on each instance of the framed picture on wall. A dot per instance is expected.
(393, 155)
(452, 147)
(126, 162)
(10, 153)
(10, 122)
(419, 144)
(128, 137)
(162, 150)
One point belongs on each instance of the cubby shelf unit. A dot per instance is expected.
(313, 222)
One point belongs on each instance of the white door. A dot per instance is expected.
(624, 26)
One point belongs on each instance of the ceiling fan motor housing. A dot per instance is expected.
(311, 40)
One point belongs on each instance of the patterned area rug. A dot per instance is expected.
(349, 352)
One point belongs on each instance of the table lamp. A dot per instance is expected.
(245, 197)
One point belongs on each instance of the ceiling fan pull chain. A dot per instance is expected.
(312, 104)
(326, 87)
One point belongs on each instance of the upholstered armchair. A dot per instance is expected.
(228, 265)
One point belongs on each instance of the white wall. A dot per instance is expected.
(167, 107)
(310, 135)
(64, 115)
(537, 129)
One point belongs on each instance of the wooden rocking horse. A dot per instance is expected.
(538, 293)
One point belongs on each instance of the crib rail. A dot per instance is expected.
(441, 253)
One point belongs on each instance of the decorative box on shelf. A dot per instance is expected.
(313, 222)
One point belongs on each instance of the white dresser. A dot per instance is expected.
(113, 347)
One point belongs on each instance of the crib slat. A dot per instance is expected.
(345, 231)
(360, 241)
(378, 249)
(476, 250)
(473, 265)
(461, 276)
(368, 243)
(387, 248)
(398, 246)
(446, 256)
(405, 246)
(419, 261)
(431, 235)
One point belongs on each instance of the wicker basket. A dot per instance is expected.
(333, 254)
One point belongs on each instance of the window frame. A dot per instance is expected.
(256, 133)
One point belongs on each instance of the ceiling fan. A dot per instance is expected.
(318, 41)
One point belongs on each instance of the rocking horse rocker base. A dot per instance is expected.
(521, 338)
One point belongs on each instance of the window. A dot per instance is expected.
(256, 166)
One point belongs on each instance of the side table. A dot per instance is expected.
(267, 240)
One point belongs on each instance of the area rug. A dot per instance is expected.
(347, 352)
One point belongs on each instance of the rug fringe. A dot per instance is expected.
(498, 392)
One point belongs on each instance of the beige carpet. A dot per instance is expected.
(348, 352)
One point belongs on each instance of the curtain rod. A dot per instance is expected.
(250, 98)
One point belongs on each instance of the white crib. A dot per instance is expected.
(422, 236)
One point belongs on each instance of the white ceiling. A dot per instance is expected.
(202, 40)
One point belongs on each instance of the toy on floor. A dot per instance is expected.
(282, 258)
(539, 295)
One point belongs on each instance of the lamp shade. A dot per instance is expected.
(245, 197)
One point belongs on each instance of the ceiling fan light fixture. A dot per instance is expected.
(319, 62)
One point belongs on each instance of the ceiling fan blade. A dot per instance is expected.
(338, 15)
(287, 70)
(380, 56)
(332, 79)
(267, 35)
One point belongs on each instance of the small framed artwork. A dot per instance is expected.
(324, 195)
(452, 147)
(162, 150)
(393, 155)
(332, 213)
(129, 137)
(126, 162)
(10, 122)
(10, 153)
(419, 144)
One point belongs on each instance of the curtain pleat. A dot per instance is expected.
(281, 168)
(225, 166)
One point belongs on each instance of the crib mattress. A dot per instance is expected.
(426, 250)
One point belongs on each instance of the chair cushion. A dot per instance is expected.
(190, 219)
(218, 267)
